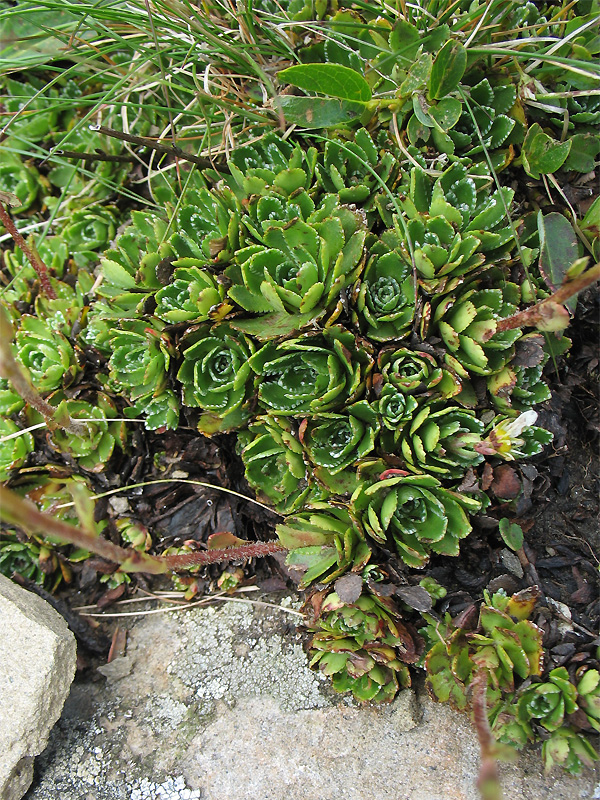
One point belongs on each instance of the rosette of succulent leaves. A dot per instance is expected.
(336, 299)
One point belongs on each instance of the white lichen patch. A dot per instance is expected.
(232, 654)
(171, 789)
(164, 713)
(74, 768)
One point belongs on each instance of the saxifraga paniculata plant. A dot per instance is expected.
(340, 304)
(349, 376)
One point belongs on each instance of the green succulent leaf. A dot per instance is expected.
(89, 230)
(140, 358)
(334, 441)
(207, 226)
(274, 463)
(588, 697)
(442, 440)
(46, 354)
(453, 227)
(487, 123)
(94, 447)
(43, 118)
(468, 324)
(129, 268)
(10, 401)
(193, 295)
(303, 267)
(21, 558)
(520, 385)
(364, 645)
(15, 446)
(21, 181)
(568, 749)
(386, 298)
(311, 373)
(548, 702)
(161, 412)
(501, 646)
(271, 166)
(416, 514)
(395, 409)
(355, 169)
(323, 544)
(417, 372)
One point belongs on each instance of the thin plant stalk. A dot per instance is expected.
(16, 510)
(17, 376)
(33, 257)
(550, 313)
(205, 163)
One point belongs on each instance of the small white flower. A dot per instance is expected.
(521, 423)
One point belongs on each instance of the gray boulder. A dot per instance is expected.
(37, 666)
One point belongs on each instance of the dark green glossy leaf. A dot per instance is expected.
(418, 75)
(512, 534)
(543, 155)
(583, 153)
(446, 113)
(404, 41)
(26, 41)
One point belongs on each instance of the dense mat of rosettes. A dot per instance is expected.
(341, 315)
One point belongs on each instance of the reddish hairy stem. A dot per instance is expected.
(250, 550)
(488, 782)
(33, 258)
(546, 308)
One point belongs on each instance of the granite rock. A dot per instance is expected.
(219, 702)
(37, 665)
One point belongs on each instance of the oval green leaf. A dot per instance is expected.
(447, 70)
(541, 154)
(332, 80)
(559, 248)
(319, 112)
(511, 533)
